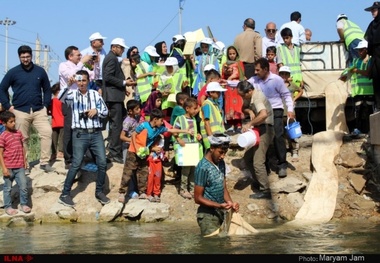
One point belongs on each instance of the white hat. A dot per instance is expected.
(119, 41)
(177, 38)
(220, 44)
(208, 67)
(284, 69)
(341, 16)
(171, 61)
(214, 86)
(151, 50)
(95, 36)
(362, 44)
(207, 41)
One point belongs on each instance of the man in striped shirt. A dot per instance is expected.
(88, 108)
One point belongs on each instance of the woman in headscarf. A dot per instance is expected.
(372, 35)
(162, 50)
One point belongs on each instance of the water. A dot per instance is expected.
(184, 238)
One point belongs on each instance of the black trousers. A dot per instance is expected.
(116, 111)
(67, 131)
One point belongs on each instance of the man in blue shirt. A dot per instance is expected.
(30, 100)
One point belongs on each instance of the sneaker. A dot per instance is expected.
(10, 211)
(26, 209)
(185, 194)
(261, 195)
(27, 171)
(157, 198)
(66, 200)
(102, 198)
(121, 198)
(47, 168)
(282, 172)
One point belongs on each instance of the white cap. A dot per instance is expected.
(220, 44)
(171, 61)
(207, 41)
(208, 67)
(95, 36)
(214, 86)
(151, 50)
(341, 16)
(119, 41)
(284, 69)
(362, 44)
(176, 38)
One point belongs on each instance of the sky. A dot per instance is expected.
(59, 24)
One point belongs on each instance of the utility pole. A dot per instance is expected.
(180, 16)
(7, 22)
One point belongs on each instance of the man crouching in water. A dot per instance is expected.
(210, 190)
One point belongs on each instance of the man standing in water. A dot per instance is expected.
(210, 190)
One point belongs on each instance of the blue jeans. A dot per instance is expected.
(82, 141)
(17, 174)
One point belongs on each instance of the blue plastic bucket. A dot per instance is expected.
(293, 129)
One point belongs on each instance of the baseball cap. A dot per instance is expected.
(221, 45)
(340, 16)
(119, 41)
(214, 86)
(219, 139)
(208, 67)
(95, 36)
(177, 38)
(171, 61)
(284, 69)
(151, 50)
(362, 44)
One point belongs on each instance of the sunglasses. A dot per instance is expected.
(271, 30)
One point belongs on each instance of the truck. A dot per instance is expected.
(322, 64)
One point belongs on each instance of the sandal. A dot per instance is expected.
(185, 194)
(10, 211)
(157, 199)
(151, 199)
(143, 196)
(26, 209)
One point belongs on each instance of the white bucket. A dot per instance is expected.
(248, 139)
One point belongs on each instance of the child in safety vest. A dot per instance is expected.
(185, 122)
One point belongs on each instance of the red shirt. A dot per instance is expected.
(56, 113)
(13, 153)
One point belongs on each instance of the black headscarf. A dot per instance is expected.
(162, 56)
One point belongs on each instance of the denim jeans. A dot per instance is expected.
(17, 174)
(82, 141)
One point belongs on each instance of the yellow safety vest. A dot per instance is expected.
(216, 122)
(144, 85)
(293, 62)
(351, 31)
(360, 85)
(175, 83)
(187, 137)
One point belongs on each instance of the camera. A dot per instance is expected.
(78, 77)
(94, 56)
(83, 115)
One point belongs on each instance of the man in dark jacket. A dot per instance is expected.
(113, 91)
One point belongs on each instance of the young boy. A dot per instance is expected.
(271, 57)
(129, 125)
(210, 191)
(297, 92)
(289, 54)
(185, 122)
(13, 163)
(136, 163)
(211, 114)
(57, 120)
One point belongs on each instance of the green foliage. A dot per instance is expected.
(34, 145)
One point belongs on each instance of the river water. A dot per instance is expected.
(184, 238)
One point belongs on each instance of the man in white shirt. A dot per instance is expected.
(98, 52)
(270, 37)
(298, 30)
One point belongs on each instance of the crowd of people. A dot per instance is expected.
(157, 98)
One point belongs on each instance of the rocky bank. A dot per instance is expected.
(358, 193)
